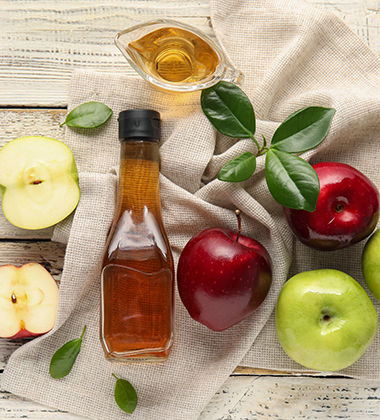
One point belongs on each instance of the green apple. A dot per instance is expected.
(39, 182)
(324, 319)
(371, 264)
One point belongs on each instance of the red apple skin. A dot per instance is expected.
(220, 280)
(347, 209)
(24, 334)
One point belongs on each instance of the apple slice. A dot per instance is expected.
(28, 301)
(40, 182)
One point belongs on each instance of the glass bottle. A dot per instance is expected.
(137, 279)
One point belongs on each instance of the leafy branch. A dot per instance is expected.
(291, 180)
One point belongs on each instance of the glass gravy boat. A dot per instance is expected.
(175, 56)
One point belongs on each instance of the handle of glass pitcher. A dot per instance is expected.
(233, 75)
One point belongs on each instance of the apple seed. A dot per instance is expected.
(13, 297)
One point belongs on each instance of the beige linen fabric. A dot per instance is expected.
(292, 56)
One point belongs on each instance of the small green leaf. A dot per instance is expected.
(229, 110)
(239, 168)
(125, 395)
(88, 115)
(64, 358)
(303, 130)
(291, 180)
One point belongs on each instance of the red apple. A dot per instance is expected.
(347, 209)
(28, 301)
(223, 277)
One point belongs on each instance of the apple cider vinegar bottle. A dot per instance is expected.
(137, 279)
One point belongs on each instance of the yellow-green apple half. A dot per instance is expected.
(39, 182)
(325, 319)
(28, 301)
(371, 264)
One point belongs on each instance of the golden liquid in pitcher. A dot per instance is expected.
(175, 55)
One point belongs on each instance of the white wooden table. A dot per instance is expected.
(41, 42)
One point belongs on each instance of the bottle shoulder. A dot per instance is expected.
(138, 238)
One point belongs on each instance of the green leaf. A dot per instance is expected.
(88, 115)
(64, 358)
(291, 180)
(125, 395)
(229, 110)
(303, 130)
(239, 168)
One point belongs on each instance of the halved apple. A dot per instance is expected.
(28, 301)
(39, 182)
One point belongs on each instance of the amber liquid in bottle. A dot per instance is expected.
(175, 55)
(137, 275)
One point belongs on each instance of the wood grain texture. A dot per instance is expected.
(262, 398)
(362, 16)
(47, 253)
(254, 398)
(41, 42)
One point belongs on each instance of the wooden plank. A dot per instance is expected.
(246, 370)
(28, 122)
(47, 253)
(41, 42)
(253, 397)
(12, 407)
(363, 17)
(294, 398)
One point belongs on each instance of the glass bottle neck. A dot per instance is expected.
(138, 189)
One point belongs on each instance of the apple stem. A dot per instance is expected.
(238, 212)
(13, 297)
(339, 207)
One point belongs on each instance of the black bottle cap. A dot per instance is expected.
(144, 124)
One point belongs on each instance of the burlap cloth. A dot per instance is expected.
(292, 56)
